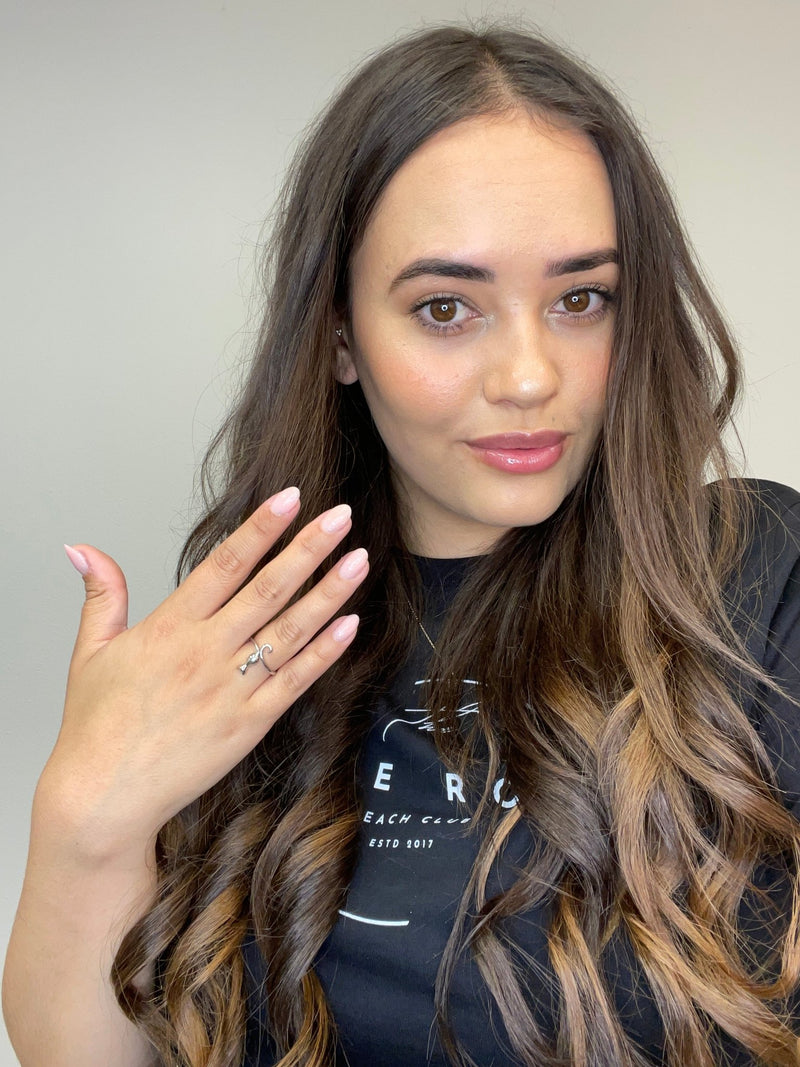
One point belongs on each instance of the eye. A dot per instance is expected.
(586, 304)
(579, 301)
(443, 313)
(443, 310)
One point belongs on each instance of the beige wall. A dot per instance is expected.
(141, 144)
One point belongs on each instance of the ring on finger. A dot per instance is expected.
(254, 657)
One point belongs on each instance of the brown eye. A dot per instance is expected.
(578, 301)
(443, 310)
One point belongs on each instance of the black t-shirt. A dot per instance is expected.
(379, 964)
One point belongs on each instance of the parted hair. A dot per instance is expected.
(610, 674)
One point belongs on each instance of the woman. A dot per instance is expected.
(529, 800)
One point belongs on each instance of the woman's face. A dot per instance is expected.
(482, 301)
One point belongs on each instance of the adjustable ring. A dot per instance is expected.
(254, 657)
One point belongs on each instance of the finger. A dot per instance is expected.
(297, 674)
(218, 577)
(268, 593)
(105, 609)
(290, 631)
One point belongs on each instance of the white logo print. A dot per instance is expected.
(425, 723)
(404, 828)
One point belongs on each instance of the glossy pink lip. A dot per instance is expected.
(520, 453)
(506, 442)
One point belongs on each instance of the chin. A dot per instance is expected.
(528, 512)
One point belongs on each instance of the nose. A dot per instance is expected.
(522, 369)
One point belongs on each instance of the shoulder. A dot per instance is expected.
(763, 594)
(773, 532)
(766, 580)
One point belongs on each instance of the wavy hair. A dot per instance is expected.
(624, 735)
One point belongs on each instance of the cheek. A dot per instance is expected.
(596, 384)
(590, 377)
(408, 391)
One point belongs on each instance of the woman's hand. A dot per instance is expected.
(157, 714)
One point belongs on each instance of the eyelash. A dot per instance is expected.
(450, 328)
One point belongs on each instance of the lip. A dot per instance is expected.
(508, 442)
(520, 453)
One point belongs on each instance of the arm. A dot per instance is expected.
(75, 907)
(155, 716)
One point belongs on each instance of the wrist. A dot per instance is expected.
(74, 823)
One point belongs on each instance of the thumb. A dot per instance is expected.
(105, 610)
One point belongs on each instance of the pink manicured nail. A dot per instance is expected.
(353, 563)
(285, 501)
(77, 559)
(336, 519)
(345, 628)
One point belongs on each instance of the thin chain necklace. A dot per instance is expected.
(419, 623)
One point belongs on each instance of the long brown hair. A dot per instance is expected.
(623, 735)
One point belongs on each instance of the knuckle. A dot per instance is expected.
(163, 626)
(226, 560)
(291, 680)
(288, 629)
(320, 660)
(262, 526)
(267, 588)
(330, 591)
(309, 545)
(187, 665)
(324, 656)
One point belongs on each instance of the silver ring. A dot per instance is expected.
(254, 657)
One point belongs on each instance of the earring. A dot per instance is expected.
(338, 331)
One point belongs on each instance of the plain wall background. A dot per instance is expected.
(142, 144)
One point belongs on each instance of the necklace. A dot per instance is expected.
(419, 623)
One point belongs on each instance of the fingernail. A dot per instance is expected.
(285, 501)
(336, 519)
(77, 559)
(351, 565)
(345, 628)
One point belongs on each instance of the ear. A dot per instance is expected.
(345, 370)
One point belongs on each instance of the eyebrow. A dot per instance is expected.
(451, 268)
(584, 261)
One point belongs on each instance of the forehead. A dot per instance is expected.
(502, 185)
